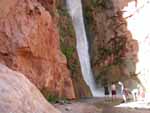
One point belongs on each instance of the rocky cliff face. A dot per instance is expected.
(68, 47)
(59, 12)
(29, 43)
(37, 38)
(19, 95)
(113, 50)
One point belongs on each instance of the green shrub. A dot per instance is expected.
(97, 3)
(73, 66)
(52, 99)
(63, 12)
(68, 52)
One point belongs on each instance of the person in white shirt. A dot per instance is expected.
(123, 92)
(113, 91)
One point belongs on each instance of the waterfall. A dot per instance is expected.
(75, 11)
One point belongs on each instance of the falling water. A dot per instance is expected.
(75, 10)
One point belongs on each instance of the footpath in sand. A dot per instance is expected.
(99, 105)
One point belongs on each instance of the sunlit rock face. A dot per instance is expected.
(138, 19)
(49, 5)
(29, 43)
(19, 95)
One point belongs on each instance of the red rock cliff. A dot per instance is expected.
(29, 43)
(113, 50)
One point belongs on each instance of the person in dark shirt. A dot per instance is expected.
(106, 91)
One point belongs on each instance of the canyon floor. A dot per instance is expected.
(99, 105)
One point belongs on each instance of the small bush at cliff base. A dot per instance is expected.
(54, 99)
(68, 52)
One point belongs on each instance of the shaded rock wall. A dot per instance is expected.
(112, 48)
(18, 95)
(29, 43)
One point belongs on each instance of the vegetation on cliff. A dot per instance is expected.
(109, 40)
(68, 47)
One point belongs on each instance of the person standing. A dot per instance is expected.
(106, 92)
(135, 94)
(113, 91)
(123, 91)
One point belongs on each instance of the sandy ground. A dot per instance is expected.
(99, 105)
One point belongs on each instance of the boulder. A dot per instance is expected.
(19, 95)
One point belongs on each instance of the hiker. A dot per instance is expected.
(135, 94)
(106, 92)
(113, 91)
(123, 91)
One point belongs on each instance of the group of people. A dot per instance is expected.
(107, 92)
(125, 92)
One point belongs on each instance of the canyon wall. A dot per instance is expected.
(37, 38)
(29, 43)
(60, 15)
(112, 47)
